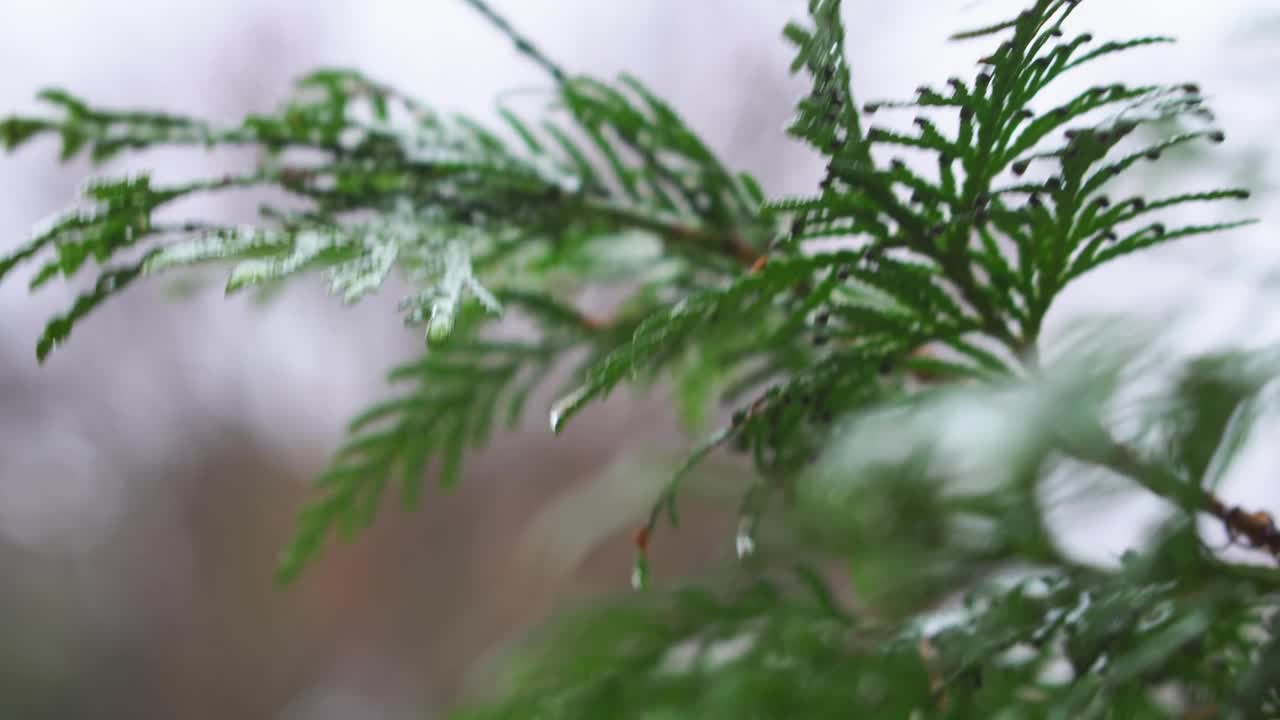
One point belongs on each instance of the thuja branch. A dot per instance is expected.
(1258, 527)
(523, 44)
(727, 242)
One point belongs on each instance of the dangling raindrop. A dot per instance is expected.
(745, 542)
(565, 407)
(640, 572)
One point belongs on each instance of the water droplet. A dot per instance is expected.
(640, 573)
(565, 406)
(746, 543)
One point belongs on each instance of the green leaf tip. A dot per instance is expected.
(568, 406)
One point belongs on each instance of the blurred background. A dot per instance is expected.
(150, 472)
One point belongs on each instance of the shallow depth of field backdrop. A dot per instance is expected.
(149, 473)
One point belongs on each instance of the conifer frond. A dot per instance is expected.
(931, 251)
(455, 395)
(455, 203)
(1065, 215)
(1067, 640)
(783, 648)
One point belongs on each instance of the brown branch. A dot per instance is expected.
(729, 243)
(1258, 527)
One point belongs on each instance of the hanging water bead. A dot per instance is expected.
(640, 572)
(745, 543)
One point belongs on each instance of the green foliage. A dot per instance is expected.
(1077, 644)
(954, 235)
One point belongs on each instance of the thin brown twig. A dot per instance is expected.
(1257, 527)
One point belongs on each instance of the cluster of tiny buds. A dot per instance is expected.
(772, 407)
(837, 140)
